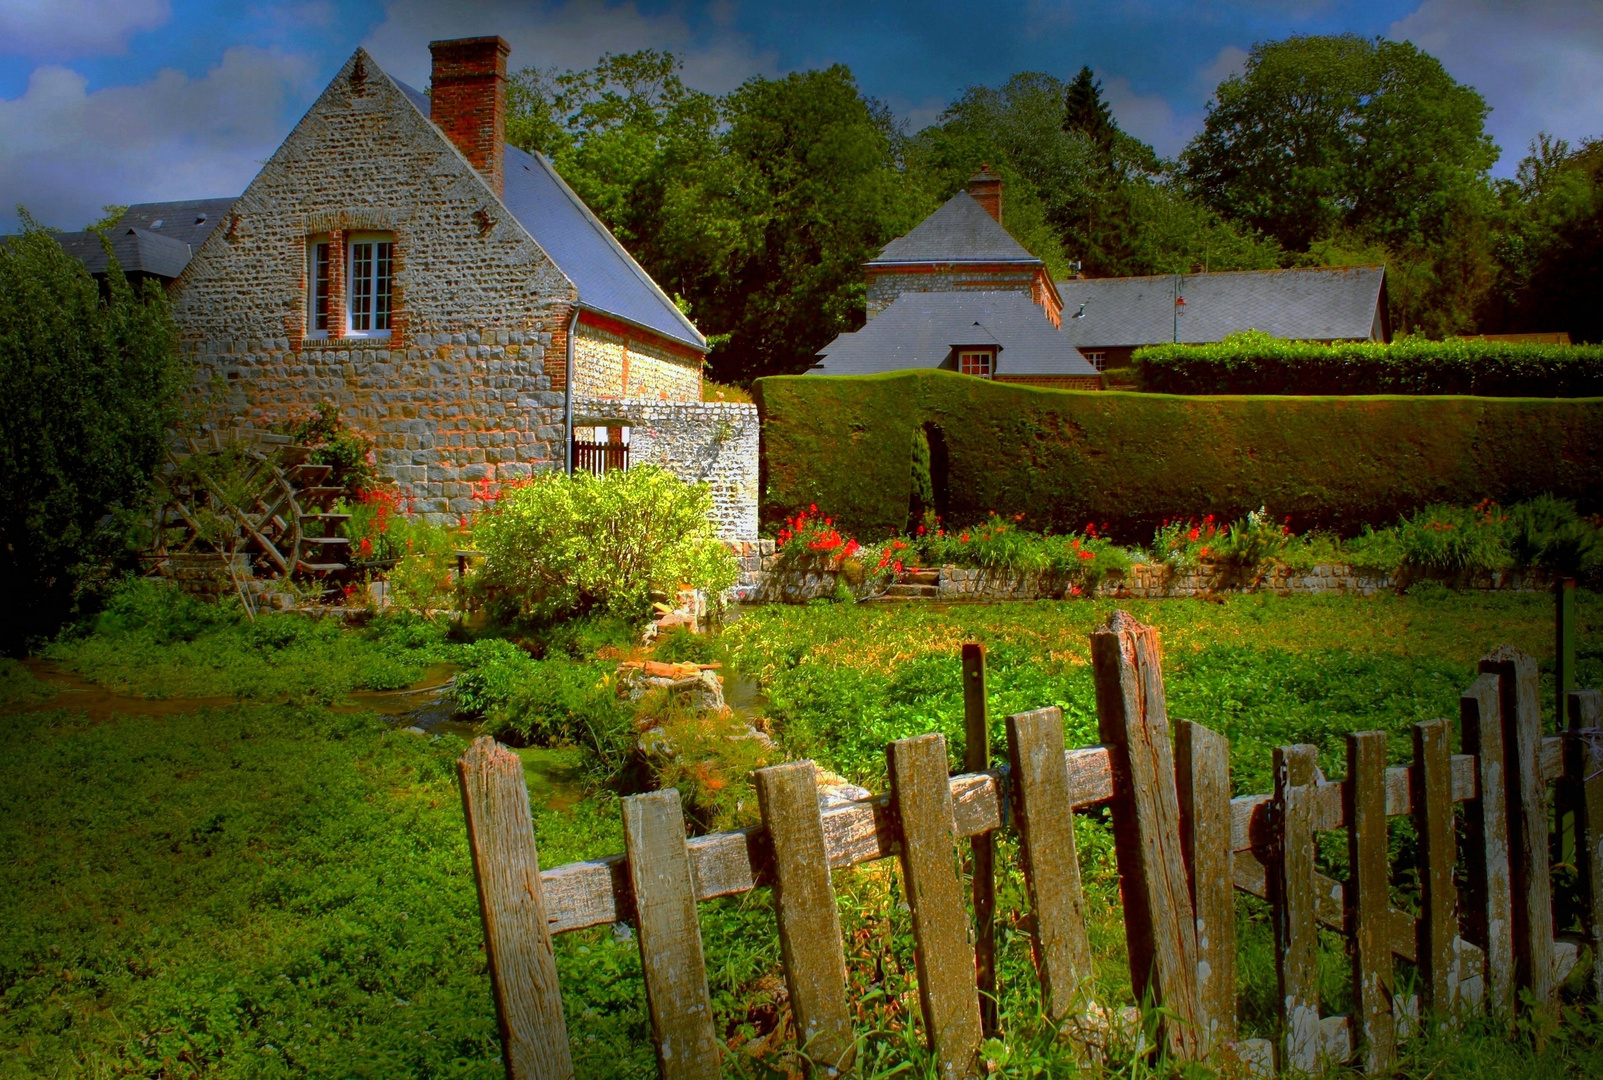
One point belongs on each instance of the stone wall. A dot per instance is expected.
(713, 442)
(614, 360)
(469, 383)
(884, 286)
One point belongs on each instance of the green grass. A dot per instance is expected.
(281, 890)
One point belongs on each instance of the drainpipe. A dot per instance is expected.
(567, 420)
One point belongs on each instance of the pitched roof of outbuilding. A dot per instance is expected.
(960, 231)
(1315, 304)
(151, 238)
(922, 330)
(608, 278)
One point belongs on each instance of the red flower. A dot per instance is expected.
(813, 509)
(1194, 534)
(1087, 554)
(964, 538)
(1074, 590)
(366, 546)
(1203, 554)
(921, 530)
(898, 566)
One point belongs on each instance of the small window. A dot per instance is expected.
(975, 362)
(1098, 357)
(319, 278)
(369, 273)
(156, 224)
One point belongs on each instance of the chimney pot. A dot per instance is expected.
(985, 187)
(468, 100)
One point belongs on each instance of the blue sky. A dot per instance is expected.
(133, 100)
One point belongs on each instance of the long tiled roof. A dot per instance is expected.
(151, 238)
(607, 277)
(922, 330)
(960, 231)
(1317, 304)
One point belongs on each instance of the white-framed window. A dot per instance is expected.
(975, 362)
(1098, 357)
(369, 277)
(318, 279)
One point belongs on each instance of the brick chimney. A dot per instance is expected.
(986, 189)
(468, 100)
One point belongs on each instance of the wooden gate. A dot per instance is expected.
(1183, 846)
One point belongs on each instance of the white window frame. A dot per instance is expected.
(372, 294)
(988, 356)
(312, 244)
(1098, 358)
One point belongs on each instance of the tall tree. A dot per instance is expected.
(1085, 111)
(1320, 134)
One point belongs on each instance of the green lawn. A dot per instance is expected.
(276, 889)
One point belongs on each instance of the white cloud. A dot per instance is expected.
(62, 29)
(1149, 117)
(65, 151)
(1230, 60)
(572, 35)
(1540, 66)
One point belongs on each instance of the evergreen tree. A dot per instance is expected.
(1085, 111)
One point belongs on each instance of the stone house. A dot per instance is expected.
(959, 292)
(452, 295)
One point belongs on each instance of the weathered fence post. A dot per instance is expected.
(809, 924)
(1202, 772)
(1432, 785)
(1045, 822)
(1294, 904)
(1160, 926)
(1584, 761)
(1369, 899)
(670, 937)
(977, 758)
(1489, 911)
(947, 995)
(506, 866)
(1528, 829)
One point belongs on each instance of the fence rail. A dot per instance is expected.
(1183, 847)
(598, 458)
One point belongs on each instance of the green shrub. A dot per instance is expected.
(560, 545)
(1257, 363)
(90, 381)
(1063, 458)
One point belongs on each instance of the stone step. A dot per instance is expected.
(913, 592)
(921, 577)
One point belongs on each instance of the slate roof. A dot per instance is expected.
(960, 231)
(1316, 304)
(922, 330)
(151, 238)
(608, 278)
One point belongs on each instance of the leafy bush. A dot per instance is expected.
(1082, 559)
(566, 545)
(335, 443)
(1253, 362)
(89, 384)
(1062, 458)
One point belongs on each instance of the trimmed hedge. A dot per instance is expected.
(1062, 458)
(1256, 363)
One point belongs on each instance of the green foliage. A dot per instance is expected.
(1134, 460)
(1080, 560)
(1253, 362)
(335, 443)
(560, 546)
(152, 640)
(89, 383)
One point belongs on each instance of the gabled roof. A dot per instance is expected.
(608, 278)
(1316, 304)
(151, 238)
(922, 330)
(960, 231)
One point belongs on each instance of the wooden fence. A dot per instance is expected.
(598, 458)
(1183, 846)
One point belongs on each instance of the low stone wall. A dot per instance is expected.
(704, 441)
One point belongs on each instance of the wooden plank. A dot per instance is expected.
(1585, 745)
(670, 937)
(1293, 903)
(1528, 825)
(1051, 861)
(1159, 924)
(982, 851)
(947, 993)
(809, 923)
(1202, 772)
(1488, 916)
(506, 867)
(1438, 852)
(1368, 899)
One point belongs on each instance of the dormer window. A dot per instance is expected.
(369, 272)
(156, 224)
(976, 362)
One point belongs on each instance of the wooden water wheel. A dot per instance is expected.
(253, 493)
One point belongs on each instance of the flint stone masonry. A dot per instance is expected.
(469, 384)
(609, 362)
(884, 286)
(712, 442)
